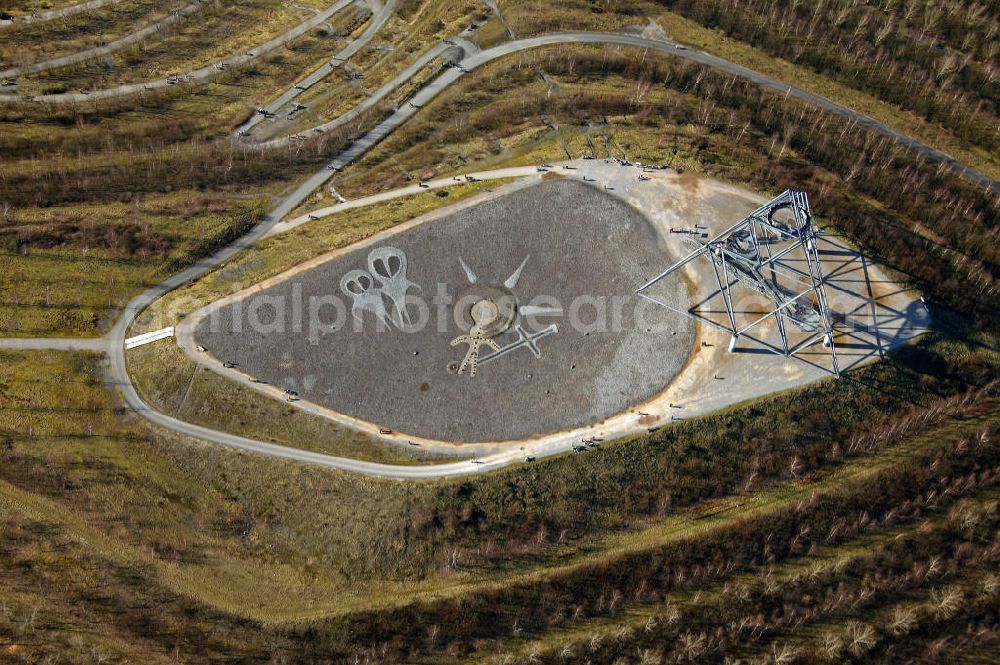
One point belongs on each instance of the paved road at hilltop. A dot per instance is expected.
(356, 150)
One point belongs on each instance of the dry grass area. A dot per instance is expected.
(685, 609)
(208, 523)
(538, 17)
(716, 43)
(218, 32)
(277, 542)
(35, 42)
(174, 119)
(27, 6)
(477, 122)
(67, 268)
(532, 17)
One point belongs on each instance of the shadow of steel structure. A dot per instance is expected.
(772, 252)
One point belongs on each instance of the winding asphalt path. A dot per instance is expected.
(107, 49)
(115, 340)
(479, 58)
(201, 75)
(436, 51)
(48, 15)
(475, 58)
(275, 107)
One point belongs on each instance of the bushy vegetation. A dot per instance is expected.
(905, 582)
(146, 509)
(183, 167)
(111, 250)
(214, 32)
(938, 59)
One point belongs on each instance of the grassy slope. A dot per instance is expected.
(211, 35)
(754, 585)
(138, 503)
(294, 514)
(95, 559)
(716, 43)
(111, 248)
(45, 40)
(636, 14)
(217, 525)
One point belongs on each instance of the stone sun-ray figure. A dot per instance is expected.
(481, 317)
(483, 314)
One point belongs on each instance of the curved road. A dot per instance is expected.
(475, 58)
(115, 343)
(478, 58)
(376, 97)
(107, 49)
(378, 20)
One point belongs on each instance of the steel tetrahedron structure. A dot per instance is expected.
(771, 256)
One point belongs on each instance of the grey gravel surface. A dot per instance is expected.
(117, 360)
(581, 242)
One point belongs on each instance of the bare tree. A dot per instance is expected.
(903, 621)
(861, 638)
(783, 654)
(947, 601)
